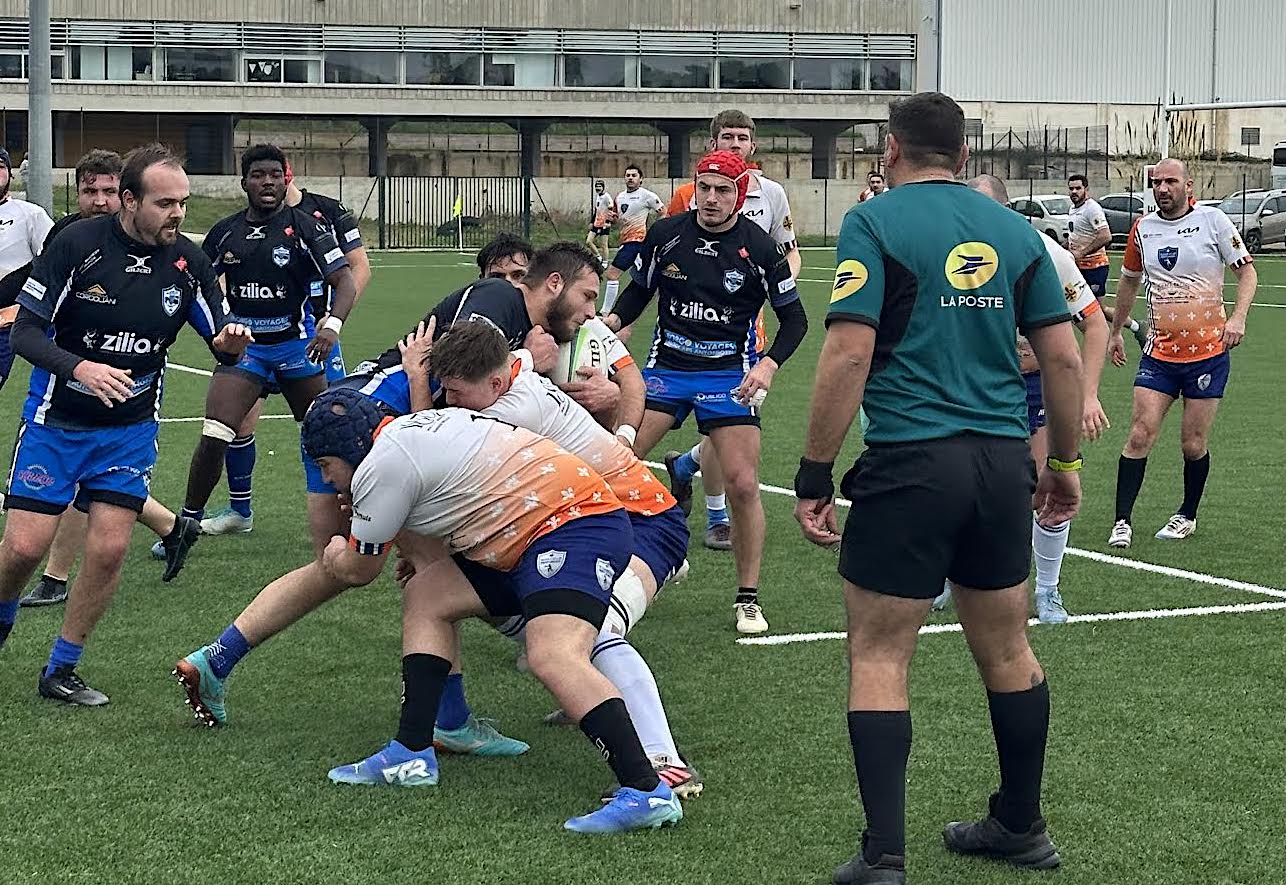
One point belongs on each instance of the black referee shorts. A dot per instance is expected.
(957, 508)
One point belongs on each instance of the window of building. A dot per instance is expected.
(754, 73)
(14, 64)
(201, 65)
(587, 69)
(829, 73)
(675, 72)
(890, 75)
(443, 68)
(376, 68)
(529, 70)
(282, 69)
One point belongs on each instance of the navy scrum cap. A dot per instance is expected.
(341, 423)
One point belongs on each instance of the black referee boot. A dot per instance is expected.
(1032, 850)
(889, 870)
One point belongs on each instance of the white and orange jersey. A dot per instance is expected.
(486, 488)
(534, 402)
(1182, 265)
(604, 206)
(634, 207)
(1087, 222)
(1081, 302)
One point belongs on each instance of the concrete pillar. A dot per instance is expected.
(529, 132)
(823, 133)
(679, 136)
(377, 129)
(227, 146)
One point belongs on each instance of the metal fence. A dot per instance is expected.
(1041, 154)
(424, 212)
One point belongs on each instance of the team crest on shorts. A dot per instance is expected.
(171, 298)
(732, 280)
(605, 573)
(550, 562)
(1203, 382)
(280, 256)
(1168, 256)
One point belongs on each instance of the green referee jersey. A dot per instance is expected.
(945, 275)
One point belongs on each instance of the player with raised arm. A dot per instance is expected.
(712, 271)
(1178, 253)
(269, 256)
(100, 310)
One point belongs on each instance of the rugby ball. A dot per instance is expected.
(590, 348)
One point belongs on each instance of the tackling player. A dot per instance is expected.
(537, 532)
(633, 205)
(766, 205)
(269, 255)
(241, 454)
(1088, 237)
(713, 271)
(1179, 253)
(600, 229)
(99, 311)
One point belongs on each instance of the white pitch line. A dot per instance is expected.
(194, 420)
(191, 370)
(1148, 615)
(1137, 564)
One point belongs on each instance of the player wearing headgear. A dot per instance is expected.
(537, 532)
(600, 228)
(99, 312)
(269, 256)
(323, 518)
(713, 270)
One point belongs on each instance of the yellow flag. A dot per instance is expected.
(458, 209)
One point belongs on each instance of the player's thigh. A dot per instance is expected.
(882, 628)
(555, 639)
(109, 529)
(299, 393)
(1198, 418)
(251, 420)
(737, 449)
(440, 591)
(28, 534)
(1148, 410)
(656, 424)
(231, 396)
(993, 547)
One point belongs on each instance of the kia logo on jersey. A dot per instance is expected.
(1168, 256)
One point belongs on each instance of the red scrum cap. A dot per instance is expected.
(730, 166)
(289, 174)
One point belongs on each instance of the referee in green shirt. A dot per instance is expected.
(932, 282)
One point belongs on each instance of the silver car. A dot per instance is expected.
(1260, 217)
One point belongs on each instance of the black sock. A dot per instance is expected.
(1195, 473)
(1129, 479)
(881, 744)
(747, 595)
(423, 678)
(609, 728)
(1020, 722)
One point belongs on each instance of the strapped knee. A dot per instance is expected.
(627, 605)
(218, 430)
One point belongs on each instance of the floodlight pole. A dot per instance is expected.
(40, 141)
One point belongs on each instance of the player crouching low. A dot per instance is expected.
(539, 534)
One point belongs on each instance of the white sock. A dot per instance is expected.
(1050, 545)
(716, 502)
(1134, 324)
(615, 658)
(609, 295)
(696, 454)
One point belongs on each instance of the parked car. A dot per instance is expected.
(1048, 213)
(1122, 210)
(1260, 217)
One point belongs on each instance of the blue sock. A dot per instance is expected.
(64, 654)
(686, 467)
(224, 653)
(8, 614)
(716, 511)
(240, 462)
(453, 709)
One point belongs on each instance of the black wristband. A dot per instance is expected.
(813, 482)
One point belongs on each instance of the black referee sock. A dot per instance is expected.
(610, 729)
(1129, 479)
(1020, 722)
(1195, 473)
(747, 595)
(881, 744)
(423, 678)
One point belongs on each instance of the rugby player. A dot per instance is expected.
(944, 488)
(269, 255)
(767, 206)
(24, 228)
(600, 228)
(98, 313)
(1088, 237)
(1178, 253)
(633, 205)
(506, 257)
(536, 531)
(874, 186)
(241, 455)
(477, 372)
(713, 270)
